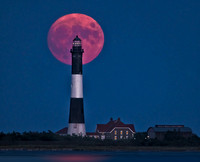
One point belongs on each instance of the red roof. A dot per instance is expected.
(112, 124)
(62, 131)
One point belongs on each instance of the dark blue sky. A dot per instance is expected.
(147, 73)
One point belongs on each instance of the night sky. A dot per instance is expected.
(147, 73)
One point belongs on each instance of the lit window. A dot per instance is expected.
(115, 137)
(103, 137)
(120, 137)
(121, 132)
(126, 137)
(115, 132)
(126, 132)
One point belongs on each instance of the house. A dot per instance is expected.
(114, 129)
(159, 131)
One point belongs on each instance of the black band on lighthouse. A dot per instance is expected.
(76, 111)
(77, 62)
(77, 52)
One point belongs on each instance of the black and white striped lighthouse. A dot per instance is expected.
(76, 116)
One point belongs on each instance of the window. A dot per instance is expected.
(115, 138)
(120, 137)
(126, 137)
(96, 136)
(126, 132)
(121, 132)
(115, 132)
(103, 137)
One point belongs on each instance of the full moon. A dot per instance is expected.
(65, 29)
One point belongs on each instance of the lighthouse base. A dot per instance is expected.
(76, 129)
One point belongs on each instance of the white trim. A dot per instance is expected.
(120, 128)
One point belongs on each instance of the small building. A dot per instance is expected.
(159, 131)
(114, 129)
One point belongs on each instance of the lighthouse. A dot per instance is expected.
(76, 116)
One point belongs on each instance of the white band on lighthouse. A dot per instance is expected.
(77, 86)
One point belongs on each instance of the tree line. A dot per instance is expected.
(50, 138)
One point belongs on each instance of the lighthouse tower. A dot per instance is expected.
(76, 115)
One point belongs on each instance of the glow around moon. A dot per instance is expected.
(64, 30)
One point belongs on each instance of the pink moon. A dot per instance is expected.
(65, 29)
